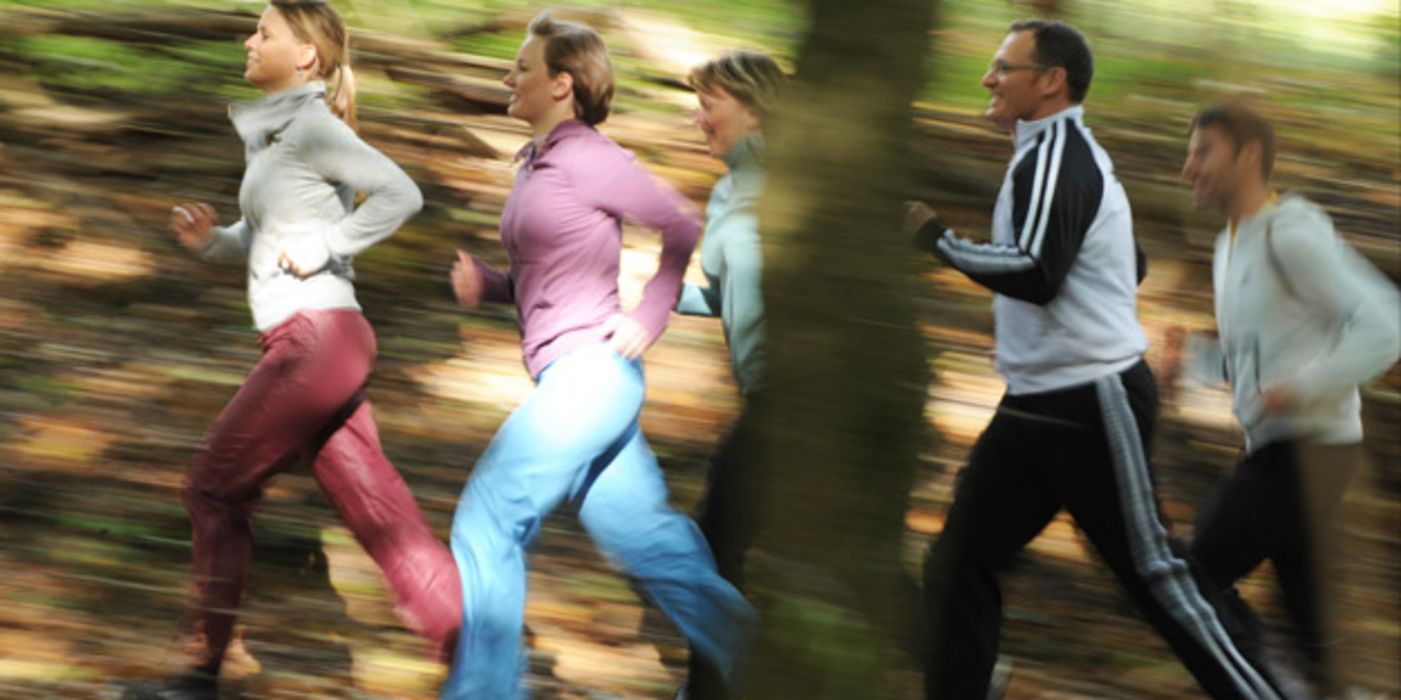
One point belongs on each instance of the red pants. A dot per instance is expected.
(304, 399)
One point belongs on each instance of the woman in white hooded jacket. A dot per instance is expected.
(304, 400)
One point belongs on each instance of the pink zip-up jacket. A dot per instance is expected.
(562, 228)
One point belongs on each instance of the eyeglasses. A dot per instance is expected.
(1003, 68)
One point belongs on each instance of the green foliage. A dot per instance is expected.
(493, 44)
(99, 66)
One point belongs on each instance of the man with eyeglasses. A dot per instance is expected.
(1075, 426)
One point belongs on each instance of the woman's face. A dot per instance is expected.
(535, 94)
(724, 120)
(275, 53)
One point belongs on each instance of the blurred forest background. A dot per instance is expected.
(117, 349)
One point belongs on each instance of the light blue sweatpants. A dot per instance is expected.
(577, 437)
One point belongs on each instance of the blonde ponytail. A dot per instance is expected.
(341, 98)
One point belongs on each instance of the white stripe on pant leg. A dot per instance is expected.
(1148, 544)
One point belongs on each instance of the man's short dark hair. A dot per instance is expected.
(1243, 125)
(1059, 45)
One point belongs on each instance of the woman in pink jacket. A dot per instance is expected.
(576, 437)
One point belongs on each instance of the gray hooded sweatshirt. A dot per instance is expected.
(1299, 308)
(304, 168)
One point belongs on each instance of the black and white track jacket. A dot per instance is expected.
(1062, 261)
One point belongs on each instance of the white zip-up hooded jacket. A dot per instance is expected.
(1298, 307)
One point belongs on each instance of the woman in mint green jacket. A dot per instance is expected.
(736, 92)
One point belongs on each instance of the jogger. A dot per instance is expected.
(735, 93)
(1075, 427)
(299, 232)
(576, 437)
(1303, 319)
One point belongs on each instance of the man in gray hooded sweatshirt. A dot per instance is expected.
(1303, 319)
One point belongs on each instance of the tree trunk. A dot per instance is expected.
(847, 364)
